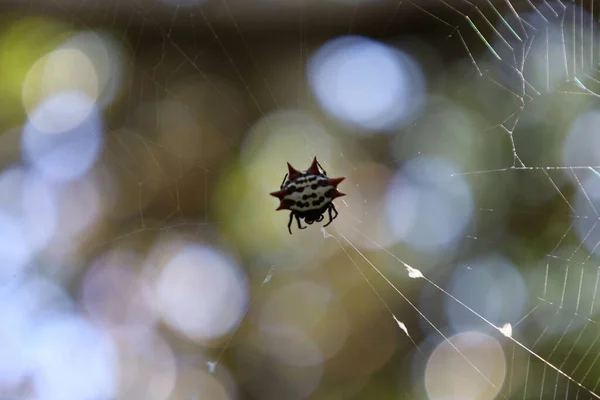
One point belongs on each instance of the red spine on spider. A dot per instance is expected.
(308, 195)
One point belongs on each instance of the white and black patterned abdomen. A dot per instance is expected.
(308, 193)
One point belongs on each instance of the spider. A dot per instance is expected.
(308, 195)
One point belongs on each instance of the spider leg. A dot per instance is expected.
(334, 210)
(290, 222)
(320, 218)
(299, 225)
(282, 183)
(322, 169)
(331, 218)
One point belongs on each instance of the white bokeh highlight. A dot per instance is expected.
(28, 217)
(585, 203)
(43, 343)
(492, 287)
(201, 292)
(449, 376)
(581, 146)
(75, 360)
(90, 62)
(63, 136)
(148, 364)
(428, 204)
(365, 83)
(114, 295)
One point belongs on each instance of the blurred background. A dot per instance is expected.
(141, 256)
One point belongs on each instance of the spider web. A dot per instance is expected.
(508, 309)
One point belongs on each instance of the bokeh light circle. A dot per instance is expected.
(201, 292)
(365, 83)
(449, 376)
(63, 136)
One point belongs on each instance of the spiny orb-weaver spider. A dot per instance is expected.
(308, 195)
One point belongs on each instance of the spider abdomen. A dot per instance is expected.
(311, 194)
(308, 195)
